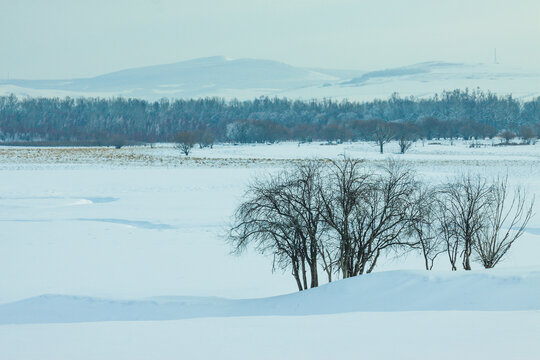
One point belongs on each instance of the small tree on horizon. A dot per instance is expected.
(185, 141)
(507, 135)
(527, 134)
(384, 133)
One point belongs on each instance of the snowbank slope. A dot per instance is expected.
(504, 290)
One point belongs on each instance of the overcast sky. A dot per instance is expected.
(70, 38)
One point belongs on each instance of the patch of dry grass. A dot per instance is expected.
(137, 156)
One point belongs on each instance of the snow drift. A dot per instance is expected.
(505, 290)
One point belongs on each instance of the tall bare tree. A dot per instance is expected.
(282, 216)
(466, 203)
(424, 228)
(347, 185)
(506, 220)
(367, 210)
(446, 229)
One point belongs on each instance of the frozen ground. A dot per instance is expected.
(90, 238)
(405, 335)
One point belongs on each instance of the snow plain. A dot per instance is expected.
(108, 254)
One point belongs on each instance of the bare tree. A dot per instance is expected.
(282, 216)
(527, 133)
(205, 138)
(384, 133)
(505, 223)
(404, 144)
(302, 198)
(507, 135)
(466, 202)
(423, 225)
(185, 141)
(347, 186)
(118, 141)
(368, 211)
(329, 254)
(446, 229)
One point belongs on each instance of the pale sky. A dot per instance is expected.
(71, 38)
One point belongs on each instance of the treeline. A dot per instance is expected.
(454, 114)
(342, 217)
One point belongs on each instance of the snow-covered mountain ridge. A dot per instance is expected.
(250, 78)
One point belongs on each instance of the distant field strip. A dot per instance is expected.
(120, 157)
(140, 156)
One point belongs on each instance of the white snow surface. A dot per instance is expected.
(444, 335)
(108, 254)
(384, 291)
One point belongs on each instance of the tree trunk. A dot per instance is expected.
(425, 257)
(313, 263)
(327, 268)
(297, 277)
(314, 276)
(467, 255)
(304, 277)
(467, 262)
(374, 262)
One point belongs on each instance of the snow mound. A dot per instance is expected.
(494, 290)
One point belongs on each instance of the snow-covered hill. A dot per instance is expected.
(250, 78)
(495, 290)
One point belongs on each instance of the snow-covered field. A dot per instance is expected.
(113, 254)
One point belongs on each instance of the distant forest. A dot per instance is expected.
(96, 121)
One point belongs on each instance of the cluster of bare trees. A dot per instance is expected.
(526, 133)
(341, 217)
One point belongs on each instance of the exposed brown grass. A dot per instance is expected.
(141, 156)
